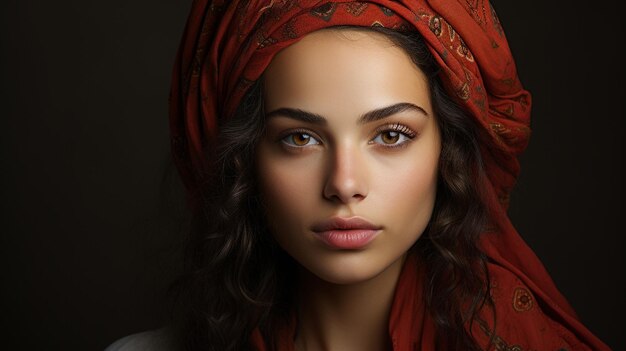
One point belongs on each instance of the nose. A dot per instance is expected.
(346, 178)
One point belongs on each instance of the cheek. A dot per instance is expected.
(288, 189)
(408, 193)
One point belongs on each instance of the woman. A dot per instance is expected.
(349, 166)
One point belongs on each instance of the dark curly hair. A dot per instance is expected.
(235, 276)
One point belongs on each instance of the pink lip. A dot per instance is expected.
(346, 233)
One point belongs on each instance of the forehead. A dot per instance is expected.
(343, 69)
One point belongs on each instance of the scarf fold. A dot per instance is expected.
(227, 45)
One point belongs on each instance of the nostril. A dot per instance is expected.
(346, 179)
(346, 193)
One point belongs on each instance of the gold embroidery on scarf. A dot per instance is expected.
(451, 32)
(264, 41)
(498, 342)
(522, 300)
(262, 9)
(477, 9)
(464, 91)
(435, 25)
(290, 31)
(464, 51)
(324, 11)
(355, 8)
(502, 132)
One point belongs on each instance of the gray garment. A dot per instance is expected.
(152, 340)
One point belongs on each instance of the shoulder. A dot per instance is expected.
(153, 340)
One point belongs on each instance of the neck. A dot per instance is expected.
(345, 316)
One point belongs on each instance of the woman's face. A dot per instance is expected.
(348, 164)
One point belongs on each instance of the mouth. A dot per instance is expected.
(346, 233)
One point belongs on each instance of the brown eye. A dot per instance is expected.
(299, 139)
(390, 137)
(393, 136)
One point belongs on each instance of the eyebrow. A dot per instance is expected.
(371, 116)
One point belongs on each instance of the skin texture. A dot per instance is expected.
(342, 166)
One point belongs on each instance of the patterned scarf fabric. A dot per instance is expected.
(228, 44)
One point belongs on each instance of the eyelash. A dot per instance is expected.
(296, 132)
(409, 133)
(395, 127)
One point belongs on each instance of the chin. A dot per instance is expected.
(346, 268)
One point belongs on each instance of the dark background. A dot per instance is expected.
(90, 220)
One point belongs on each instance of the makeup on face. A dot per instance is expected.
(348, 163)
(346, 233)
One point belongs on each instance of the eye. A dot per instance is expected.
(390, 137)
(299, 139)
(394, 135)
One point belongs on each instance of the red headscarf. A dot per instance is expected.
(228, 44)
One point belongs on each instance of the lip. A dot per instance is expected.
(346, 233)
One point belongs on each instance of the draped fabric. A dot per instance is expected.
(228, 44)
